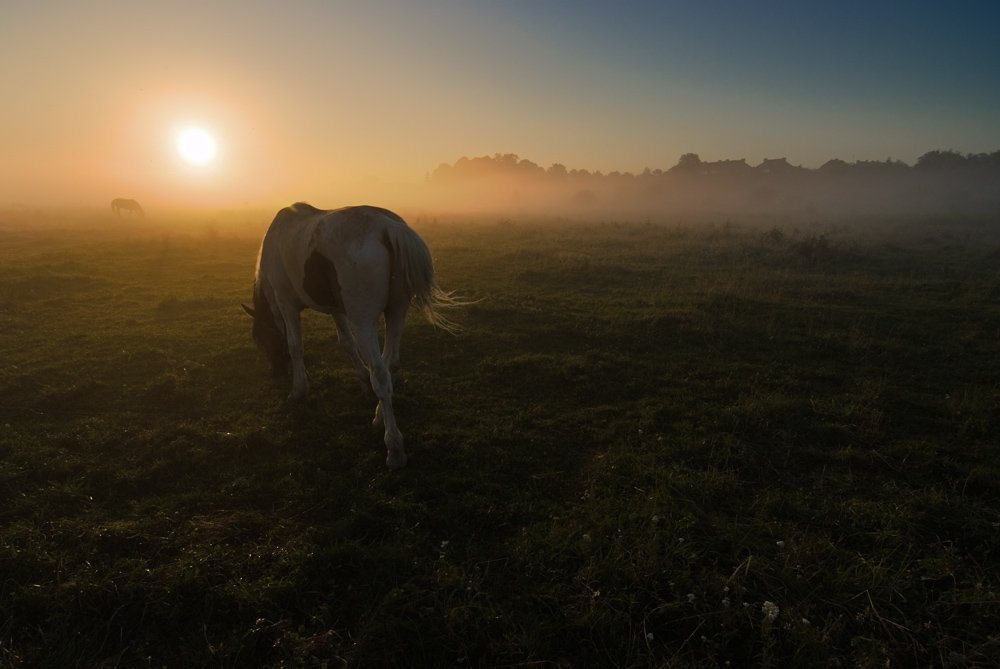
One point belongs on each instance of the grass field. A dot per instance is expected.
(653, 446)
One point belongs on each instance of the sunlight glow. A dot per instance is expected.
(196, 145)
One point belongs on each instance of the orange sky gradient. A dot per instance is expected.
(338, 102)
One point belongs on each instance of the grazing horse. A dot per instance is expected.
(356, 264)
(124, 204)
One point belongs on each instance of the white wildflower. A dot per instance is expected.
(691, 598)
(770, 611)
(649, 636)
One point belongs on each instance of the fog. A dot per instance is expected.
(940, 183)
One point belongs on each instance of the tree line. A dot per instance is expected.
(690, 164)
(939, 182)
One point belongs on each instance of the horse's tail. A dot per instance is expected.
(412, 260)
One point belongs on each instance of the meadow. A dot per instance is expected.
(656, 444)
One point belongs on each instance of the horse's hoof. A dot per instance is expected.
(395, 460)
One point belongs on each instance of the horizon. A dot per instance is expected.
(419, 201)
(938, 183)
(337, 103)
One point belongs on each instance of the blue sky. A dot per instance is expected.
(808, 80)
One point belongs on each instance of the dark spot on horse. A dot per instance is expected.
(320, 283)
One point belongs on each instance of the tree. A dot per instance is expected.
(940, 160)
(689, 162)
(834, 166)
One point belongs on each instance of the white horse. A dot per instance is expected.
(356, 264)
(120, 204)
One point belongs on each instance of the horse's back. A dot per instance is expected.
(348, 246)
(302, 215)
(333, 231)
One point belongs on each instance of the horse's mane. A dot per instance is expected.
(266, 333)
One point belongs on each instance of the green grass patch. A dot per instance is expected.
(654, 445)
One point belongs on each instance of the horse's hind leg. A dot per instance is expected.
(381, 380)
(346, 338)
(395, 317)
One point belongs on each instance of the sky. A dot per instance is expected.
(335, 102)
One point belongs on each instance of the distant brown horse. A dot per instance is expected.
(124, 204)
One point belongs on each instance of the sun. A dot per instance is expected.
(196, 145)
